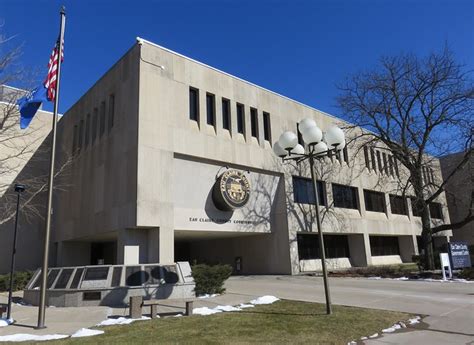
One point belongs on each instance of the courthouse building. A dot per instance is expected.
(173, 161)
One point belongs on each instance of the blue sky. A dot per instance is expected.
(300, 49)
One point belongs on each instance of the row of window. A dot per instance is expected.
(337, 246)
(347, 197)
(93, 127)
(382, 162)
(194, 114)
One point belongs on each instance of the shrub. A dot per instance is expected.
(210, 279)
(467, 273)
(20, 279)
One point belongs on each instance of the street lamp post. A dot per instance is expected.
(19, 188)
(288, 149)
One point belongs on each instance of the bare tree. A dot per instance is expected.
(24, 154)
(416, 109)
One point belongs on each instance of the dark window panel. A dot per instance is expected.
(102, 118)
(384, 245)
(300, 135)
(345, 155)
(226, 121)
(385, 163)
(116, 276)
(64, 278)
(344, 196)
(77, 278)
(366, 157)
(374, 162)
(416, 212)
(240, 118)
(379, 161)
(374, 201)
(194, 104)
(395, 165)
(267, 128)
(254, 122)
(303, 191)
(111, 112)
(211, 109)
(336, 246)
(398, 204)
(436, 210)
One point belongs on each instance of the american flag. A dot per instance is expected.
(51, 78)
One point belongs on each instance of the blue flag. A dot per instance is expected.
(30, 104)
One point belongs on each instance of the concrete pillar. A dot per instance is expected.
(357, 250)
(166, 245)
(407, 247)
(368, 251)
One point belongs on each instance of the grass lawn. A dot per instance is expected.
(281, 322)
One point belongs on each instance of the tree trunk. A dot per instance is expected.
(428, 257)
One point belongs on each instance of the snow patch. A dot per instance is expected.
(415, 320)
(374, 278)
(401, 278)
(373, 336)
(32, 337)
(265, 300)
(206, 311)
(208, 296)
(121, 321)
(227, 308)
(5, 322)
(392, 329)
(85, 332)
(178, 315)
(243, 306)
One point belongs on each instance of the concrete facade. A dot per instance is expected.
(140, 192)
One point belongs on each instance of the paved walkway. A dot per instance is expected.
(449, 306)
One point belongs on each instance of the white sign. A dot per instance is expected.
(445, 265)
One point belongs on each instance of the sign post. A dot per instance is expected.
(445, 266)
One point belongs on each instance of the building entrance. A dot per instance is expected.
(103, 253)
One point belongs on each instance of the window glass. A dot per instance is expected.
(77, 278)
(254, 122)
(267, 127)
(226, 114)
(436, 211)
(398, 205)
(384, 245)
(64, 278)
(240, 118)
(303, 191)
(344, 196)
(116, 276)
(336, 246)
(374, 201)
(211, 109)
(194, 104)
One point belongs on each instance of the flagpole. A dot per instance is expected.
(44, 269)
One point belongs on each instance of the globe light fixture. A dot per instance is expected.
(288, 140)
(278, 150)
(334, 137)
(318, 146)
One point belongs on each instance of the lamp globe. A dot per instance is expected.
(320, 148)
(312, 135)
(305, 124)
(334, 137)
(298, 150)
(278, 150)
(288, 140)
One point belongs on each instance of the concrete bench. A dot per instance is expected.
(136, 305)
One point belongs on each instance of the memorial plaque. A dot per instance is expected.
(96, 273)
(154, 274)
(77, 278)
(135, 276)
(64, 278)
(116, 275)
(171, 276)
(459, 254)
(52, 277)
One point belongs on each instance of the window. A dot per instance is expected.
(416, 212)
(95, 119)
(398, 204)
(254, 122)
(384, 245)
(81, 134)
(240, 118)
(436, 210)
(88, 130)
(226, 114)
(74, 141)
(366, 156)
(345, 155)
(303, 191)
(390, 165)
(344, 196)
(211, 109)
(336, 246)
(300, 135)
(395, 165)
(102, 119)
(385, 163)
(374, 201)
(379, 161)
(432, 175)
(267, 130)
(425, 180)
(374, 162)
(111, 111)
(194, 104)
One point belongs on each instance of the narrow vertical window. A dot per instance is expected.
(432, 176)
(267, 130)
(240, 118)
(111, 111)
(254, 122)
(102, 118)
(390, 165)
(88, 130)
(379, 161)
(366, 157)
(374, 162)
(395, 165)
(300, 135)
(385, 163)
(194, 104)
(81, 135)
(95, 120)
(74, 141)
(423, 170)
(226, 114)
(211, 109)
(345, 155)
